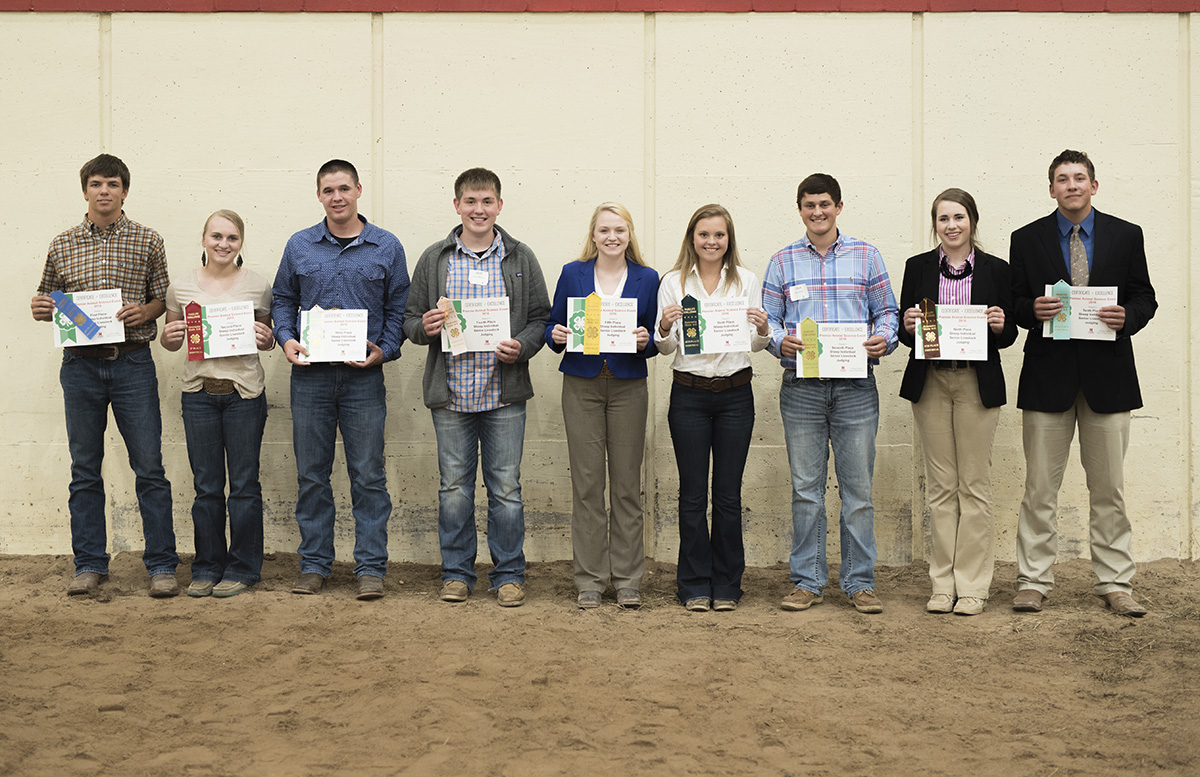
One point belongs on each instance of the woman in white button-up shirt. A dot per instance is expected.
(712, 410)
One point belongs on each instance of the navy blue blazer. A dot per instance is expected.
(1055, 371)
(578, 279)
(991, 285)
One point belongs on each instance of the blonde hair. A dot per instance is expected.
(688, 259)
(591, 251)
(234, 219)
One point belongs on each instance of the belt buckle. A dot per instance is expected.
(717, 385)
(116, 351)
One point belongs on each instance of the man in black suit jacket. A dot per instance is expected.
(1092, 383)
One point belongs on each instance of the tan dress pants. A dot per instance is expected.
(606, 425)
(957, 433)
(1103, 440)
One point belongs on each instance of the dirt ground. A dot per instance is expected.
(268, 683)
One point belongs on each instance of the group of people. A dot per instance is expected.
(477, 399)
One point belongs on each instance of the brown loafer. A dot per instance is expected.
(866, 601)
(369, 587)
(308, 584)
(1028, 600)
(163, 586)
(85, 583)
(800, 599)
(1122, 603)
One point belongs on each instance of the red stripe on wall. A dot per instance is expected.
(630, 6)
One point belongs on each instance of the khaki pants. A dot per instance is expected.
(957, 433)
(1103, 439)
(606, 424)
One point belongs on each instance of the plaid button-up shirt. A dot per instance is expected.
(472, 377)
(124, 255)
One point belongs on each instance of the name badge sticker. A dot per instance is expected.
(798, 291)
(477, 277)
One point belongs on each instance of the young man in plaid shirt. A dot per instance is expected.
(108, 251)
(478, 399)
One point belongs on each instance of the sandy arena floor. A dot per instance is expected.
(268, 683)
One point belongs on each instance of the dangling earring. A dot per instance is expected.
(239, 260)
(203, 258)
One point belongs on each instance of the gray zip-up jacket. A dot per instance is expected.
(529, 307)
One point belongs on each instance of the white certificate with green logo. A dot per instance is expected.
(618, 319)
(101, 307)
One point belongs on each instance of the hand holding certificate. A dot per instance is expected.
(333, 335)
(831, 350)
(483, 323)
(219, 330)
(613, 332)
(959, 332)
(84, 312)
(715, 325)
(1083, 314)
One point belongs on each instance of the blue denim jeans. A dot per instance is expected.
(325, 398)
(495, 438)
(843, 412)
(226, 430)
(719, 426)
(129, 384)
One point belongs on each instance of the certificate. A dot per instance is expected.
(723, 325)
(101, 307)
(962, 333)
(1085, 322)
(618, 319)
(837, 353)
(484, 323)
(333, 335)
(213, 331)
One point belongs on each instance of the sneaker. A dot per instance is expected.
(697, 604)
(800, 599)
(969, 605)
(369, 587)
(200, 588)
(163, 586)
(308, 584)
(866, 601)
(588, 600)
(455, 591)
(228, 588)
(940, 603)
(85, 583)
(629, 598)
(511, 595)
(724, 605)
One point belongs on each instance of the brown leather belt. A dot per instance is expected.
(218, 386)
(950, 365)
(715, 385)
(108, 351)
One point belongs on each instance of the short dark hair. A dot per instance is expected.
(1069, 157)
(477, 179)
(336, 166)
(819, 183)
(105, 166)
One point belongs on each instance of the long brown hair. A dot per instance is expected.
(688, 259)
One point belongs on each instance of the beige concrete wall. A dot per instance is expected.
(661, 112)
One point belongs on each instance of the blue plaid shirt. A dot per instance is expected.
(369, 274)
(848, 285)
(473, 379)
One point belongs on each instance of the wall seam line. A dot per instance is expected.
(105, 82)
(1190, 548)
(377, 147)
(917, 510)
(649, 173)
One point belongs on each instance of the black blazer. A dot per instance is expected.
(1054, 371)
(991, 285)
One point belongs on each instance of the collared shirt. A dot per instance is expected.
(1086, 234)
(954, 286)
(709, 365)
(848, 285)
(473, 378)
(369, 274)
(124, 255)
